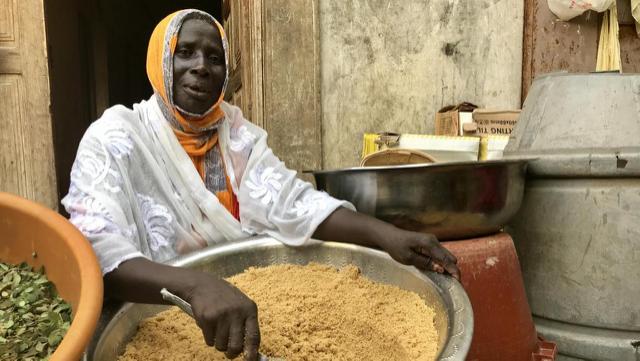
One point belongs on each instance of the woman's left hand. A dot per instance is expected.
(421, 250)
(411, 248)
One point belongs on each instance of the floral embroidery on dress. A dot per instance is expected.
(241, 139)
(117, 179)
(157, 221)
(90, 164)
(118, 142)
(309, 204)
(264, 184)
(89, 225)
(91, 205)
(96, 166)
(88, 214)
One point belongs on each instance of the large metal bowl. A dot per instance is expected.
(454, 316)
(451, 200)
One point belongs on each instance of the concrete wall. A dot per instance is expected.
(389, 66)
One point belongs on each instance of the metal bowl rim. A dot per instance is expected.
(460, 333)
(460, 329)
(470, 164)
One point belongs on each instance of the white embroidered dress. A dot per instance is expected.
(135, 192)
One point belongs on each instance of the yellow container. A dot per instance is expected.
(492, 147)
(440, 147)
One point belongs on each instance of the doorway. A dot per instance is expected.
(97, 58)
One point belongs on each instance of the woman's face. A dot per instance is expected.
(198, 66)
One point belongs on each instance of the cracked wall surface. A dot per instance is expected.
(389, 66)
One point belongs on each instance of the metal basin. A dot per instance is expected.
(454, 319)
(450, 200)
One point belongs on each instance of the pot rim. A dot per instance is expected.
(443, 165)
(460, 328)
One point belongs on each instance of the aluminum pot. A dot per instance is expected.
(578, 228)
(451, 200)
(454, 316)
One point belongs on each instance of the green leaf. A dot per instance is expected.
(33, 318)
(16, 279)
(54, 338)
(40, 346)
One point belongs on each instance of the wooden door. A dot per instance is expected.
(26, 147)
(275, 74)
(243, 25)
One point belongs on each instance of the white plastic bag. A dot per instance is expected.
(569, 9)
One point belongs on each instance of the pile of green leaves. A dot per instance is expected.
(33, 318)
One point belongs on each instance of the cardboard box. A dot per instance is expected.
(495, 122)
(450, 119)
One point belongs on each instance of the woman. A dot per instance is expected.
(184, 170)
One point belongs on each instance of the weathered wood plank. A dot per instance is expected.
(252, 62)
(528, 41)
(10, 61)
(629, 49)
(292, 82)
(27, 163)
(244, 29)
(552, 45)
(389, 66)
(235, 81)
(12, 163)
(8, 11)
(38, 140)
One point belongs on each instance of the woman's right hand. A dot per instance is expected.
(227, 317)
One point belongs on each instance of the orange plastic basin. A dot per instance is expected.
(68, 259)
(502, 322)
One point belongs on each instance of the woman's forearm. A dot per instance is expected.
(345, 225)
(140, 280)
(413, 248)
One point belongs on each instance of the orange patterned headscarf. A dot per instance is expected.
(195, 132)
